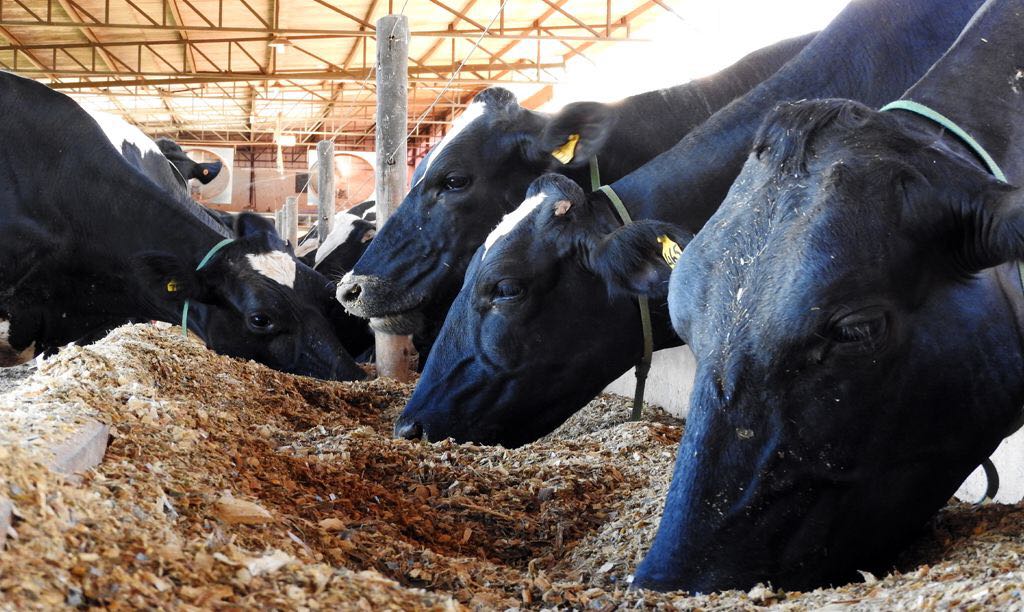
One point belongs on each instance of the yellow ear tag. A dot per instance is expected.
(670, 251)
(172, 286)
(565, 152)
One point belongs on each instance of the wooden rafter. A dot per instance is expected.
(187, 64)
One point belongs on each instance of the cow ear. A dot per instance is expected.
(576, 133)
(206, 172)
(249, 225)
(638, 258)
(994, 225)
(166, 278)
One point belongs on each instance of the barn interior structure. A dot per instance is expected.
(380, 305)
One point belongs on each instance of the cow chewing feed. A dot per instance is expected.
(410, 274)
(855, 309)
(578, 335)
(67, 271)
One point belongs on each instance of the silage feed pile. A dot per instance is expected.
(229, 485)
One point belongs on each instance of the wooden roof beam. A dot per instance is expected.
(338, 89)
(572, 18)
(32, 58)
(362, 22)
(511, 33)
(624, 21)
(460, 14)
(189, 53)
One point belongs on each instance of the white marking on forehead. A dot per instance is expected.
(343, 225)
(118, 131)
(278, 266)
(473, 112)
(512, 219)
(5, 333)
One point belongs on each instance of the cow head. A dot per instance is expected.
(205, 172)
(543, 321)
(255, 301)
(857, 355)
(350, 236)
(479, 171)
(187, 168)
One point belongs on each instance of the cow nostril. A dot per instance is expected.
(409, 431)
(353, 293)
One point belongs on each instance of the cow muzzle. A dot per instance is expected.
(371, 297)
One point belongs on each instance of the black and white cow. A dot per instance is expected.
(140, 150)
(151, 158)
(856, 310)
(309, 242)
(546, 318)
(186, 168)
(87, 242)
(350, 236)
(480, 170)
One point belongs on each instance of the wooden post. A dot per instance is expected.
(393, 352)
(291, 227)
(325, 188)
(285, 222)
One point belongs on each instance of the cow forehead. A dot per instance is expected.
(344, 224)
(278, 266)
(473, 112)
(512, 219)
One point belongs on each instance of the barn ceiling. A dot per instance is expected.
(249, 72)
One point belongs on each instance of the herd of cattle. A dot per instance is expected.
(848, 279)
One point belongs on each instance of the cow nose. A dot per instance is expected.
(352, 293)
(409, 430)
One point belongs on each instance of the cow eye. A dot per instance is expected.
(454, 182)
(507, 290)
(867, 327)
(260, 322)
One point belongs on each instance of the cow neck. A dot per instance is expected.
(651, 122)
(202, 263)
(158, 222)
(687, 183)
(643, 367)
(948, 124)
(983, 68)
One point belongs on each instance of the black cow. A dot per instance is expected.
(546, 321)
(856, 310)
(87, 241)
(184, 167)
(481, 169)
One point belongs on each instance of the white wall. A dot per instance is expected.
(1009, 461)
(668, 384)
